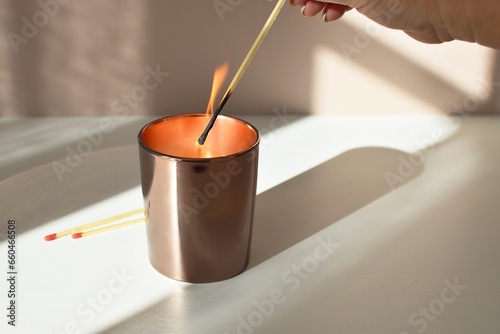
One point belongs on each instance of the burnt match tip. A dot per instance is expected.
(211, 123)
(202, 139)
(50, 237)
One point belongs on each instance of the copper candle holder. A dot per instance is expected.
(199, 200)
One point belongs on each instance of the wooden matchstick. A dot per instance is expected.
(106, 229)
(253, 50)
(101, 222)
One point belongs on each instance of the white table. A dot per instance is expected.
(336, 249)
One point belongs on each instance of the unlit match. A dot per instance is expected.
(106, 229)
(82, 229)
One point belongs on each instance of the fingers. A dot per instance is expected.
(333, 12)
(329, 11)
(312, 8)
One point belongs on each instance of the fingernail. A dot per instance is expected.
(325, 17)
(302, 10)
(292, 4)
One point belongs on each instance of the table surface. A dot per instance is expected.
(363, 224)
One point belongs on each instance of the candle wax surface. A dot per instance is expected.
(177, 136)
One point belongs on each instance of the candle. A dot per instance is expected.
(177, 136)
(199, 199)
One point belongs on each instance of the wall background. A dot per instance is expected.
(85, 57)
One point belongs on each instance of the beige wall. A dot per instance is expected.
(89, 54)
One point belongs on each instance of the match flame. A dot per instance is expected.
(219, 77)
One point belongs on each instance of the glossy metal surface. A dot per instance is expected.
(199, 200)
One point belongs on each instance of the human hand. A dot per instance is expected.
(428, 21)
(413, 17)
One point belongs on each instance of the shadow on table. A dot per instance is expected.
(310, 202)
(284, 216)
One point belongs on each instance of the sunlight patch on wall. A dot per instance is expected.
(461, 64)
(343, 87)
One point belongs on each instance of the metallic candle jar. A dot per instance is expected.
(199, 200)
